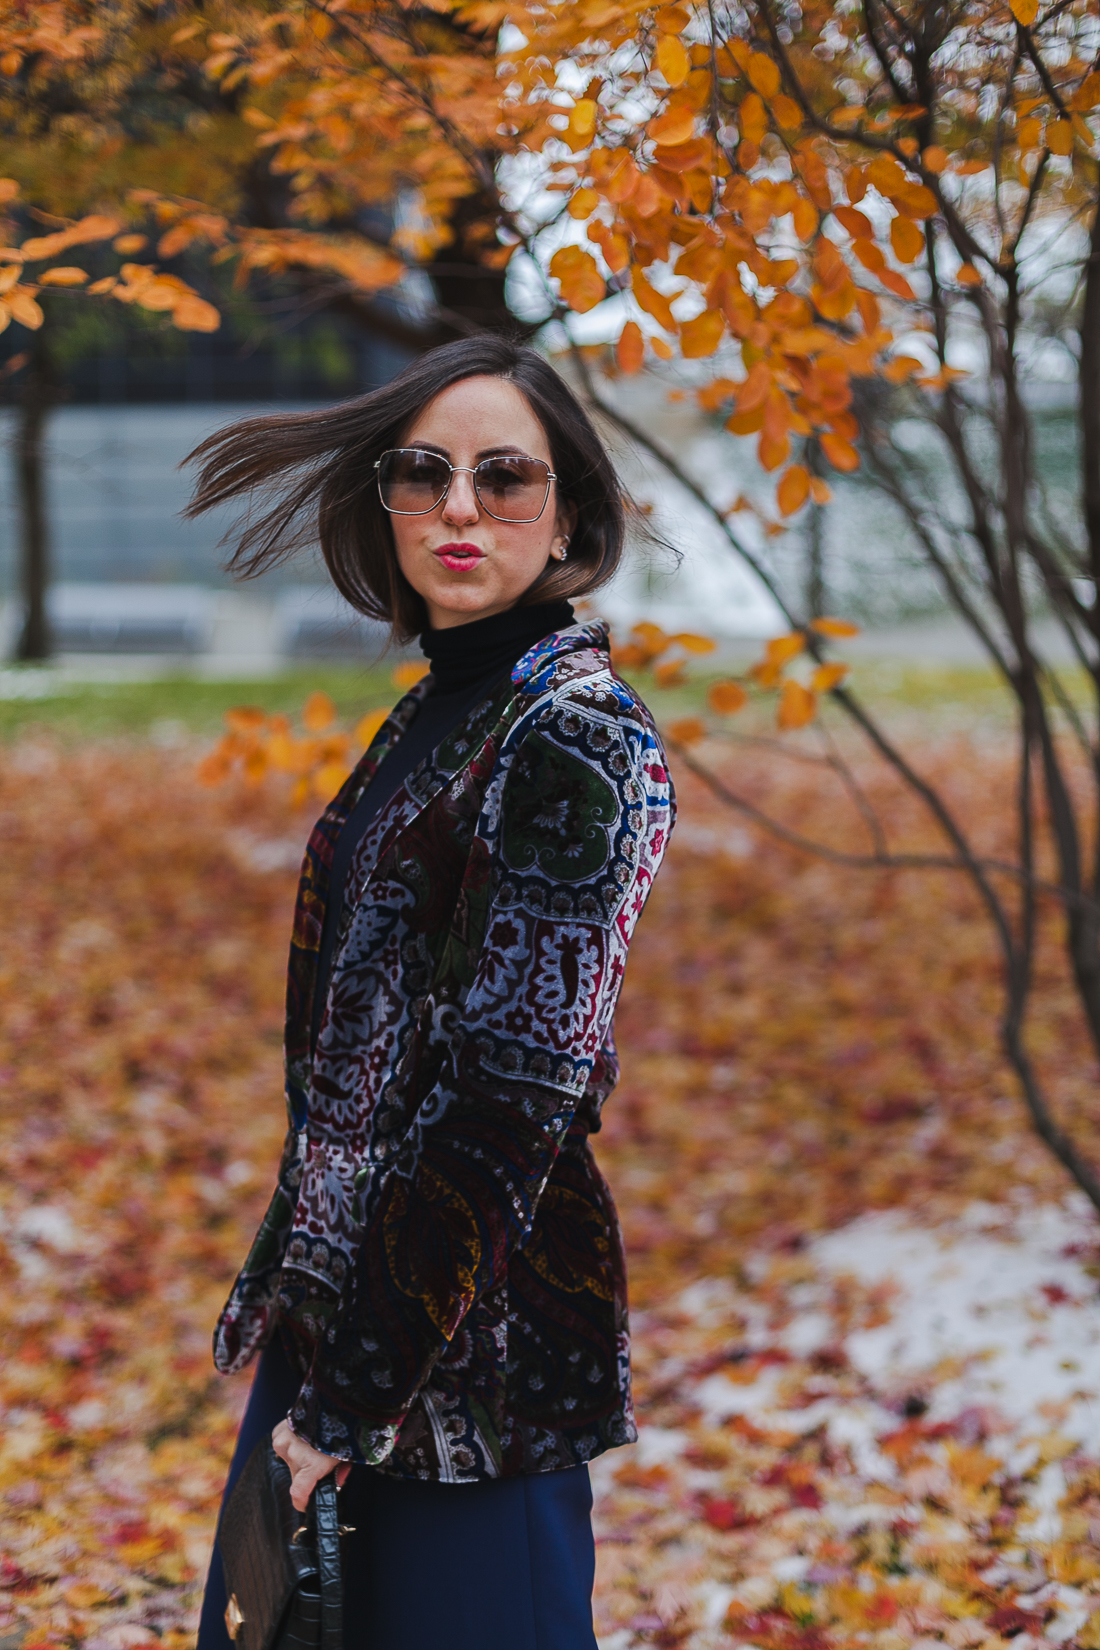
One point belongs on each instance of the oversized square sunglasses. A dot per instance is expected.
(411, 482)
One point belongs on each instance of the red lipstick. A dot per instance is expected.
(459, 557)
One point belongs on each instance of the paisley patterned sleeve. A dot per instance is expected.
(565, 852)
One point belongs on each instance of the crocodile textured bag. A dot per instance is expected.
(282, 1567)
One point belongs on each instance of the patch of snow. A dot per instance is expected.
(657, 1445)
(1016, 1307)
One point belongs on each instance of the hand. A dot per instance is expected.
(307, 1465)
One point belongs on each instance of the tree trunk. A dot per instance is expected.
(37, 400)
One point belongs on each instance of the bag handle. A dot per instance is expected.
(327, 1527)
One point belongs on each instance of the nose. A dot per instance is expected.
(460, 505)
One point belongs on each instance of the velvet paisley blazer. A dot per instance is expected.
(441, 1254)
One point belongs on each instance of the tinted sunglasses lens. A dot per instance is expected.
(412, 483)
(513, 489)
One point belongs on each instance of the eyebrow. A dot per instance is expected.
(503, 449)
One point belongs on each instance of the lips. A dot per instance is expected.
(459, 557)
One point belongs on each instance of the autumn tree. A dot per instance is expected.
(823, 202)
(137, 138)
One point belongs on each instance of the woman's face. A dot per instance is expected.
(464, 562)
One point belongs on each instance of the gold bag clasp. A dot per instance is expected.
(234, 1617)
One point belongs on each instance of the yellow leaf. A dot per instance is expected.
(245, 718)
(9, 189)
(839, 451)
(834, 627)
(368, 726)
(820, 491)
(651, 637)
(1088, 1637)
(672, 59)
(582, 119)
(318, 712)
(753, 118)
(328, 779)
(583, 203)
(129, 245)
(194, 314)
(906, 239)
(725, 698)
(630, 350)
(763, 75)
(1029, 133)
(1024, 11)
(936, 158)
(786, 112)
(967, 275)
(84, 1595)
(578, 274)
(1059, 136)
(827, 676)
(25, 310)
(405, 676)
(669, 674)
(797, 705)
(653, 302)
(674, 126)
(781, 649)
(63, 275)
(900, 368)
(793, 489)
(702, 335)
(688, 730)
(691, 643)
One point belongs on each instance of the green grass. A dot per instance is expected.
(186, 707)
(79, 711)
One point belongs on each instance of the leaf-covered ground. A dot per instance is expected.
(865, 1311)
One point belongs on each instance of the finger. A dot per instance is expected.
(303, 1484)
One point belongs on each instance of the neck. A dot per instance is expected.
(465, 654)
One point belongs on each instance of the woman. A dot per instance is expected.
(438, 1286)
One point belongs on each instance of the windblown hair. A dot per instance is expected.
(317, 472)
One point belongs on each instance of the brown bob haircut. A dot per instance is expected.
(319, 467)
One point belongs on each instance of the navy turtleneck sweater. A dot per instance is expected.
(467, 661)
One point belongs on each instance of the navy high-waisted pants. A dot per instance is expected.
(505, 1564)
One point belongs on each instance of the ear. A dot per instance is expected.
(565, 522)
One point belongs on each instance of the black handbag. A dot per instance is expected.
(282, 1567)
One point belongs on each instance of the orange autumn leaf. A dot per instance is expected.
(828, 676)
(793, 489)
(726, 698)
(797, 706)
(834, 627)
(688, 730)
(672, 59)
(702, 335)
(781, 649)
(630, 349)
(653, 302)
(578, 275)
(907, 239)
(328, 779)
(669, 673)
(318, 712)
(368, 725)
(839, 451)
(408, 673)
(693, 643)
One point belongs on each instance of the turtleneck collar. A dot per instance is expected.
(487, 648)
